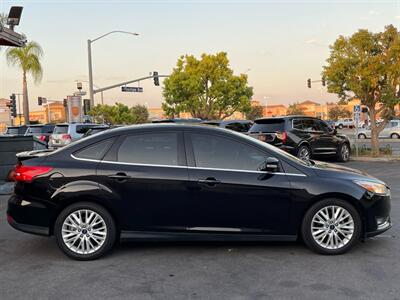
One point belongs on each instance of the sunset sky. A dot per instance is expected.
(279, 44)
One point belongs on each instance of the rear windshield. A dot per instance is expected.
(270, 125)
(35, 129)
(61, 129)
(12, 130)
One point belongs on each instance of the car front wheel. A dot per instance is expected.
(331, 227)
(395, 136)
(85, 231)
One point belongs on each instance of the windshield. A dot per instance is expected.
(59, 129)
(271, 125)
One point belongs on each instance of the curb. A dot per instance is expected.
(375, 159)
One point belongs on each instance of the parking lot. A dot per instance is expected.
(33, 267)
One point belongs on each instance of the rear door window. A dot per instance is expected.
(268, 125)
(297, 124)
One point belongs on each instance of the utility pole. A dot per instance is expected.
(89, 45)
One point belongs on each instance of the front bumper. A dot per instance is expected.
(29, 216)
(377, 214)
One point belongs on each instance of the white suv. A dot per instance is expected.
(341, 123)
(64, 134)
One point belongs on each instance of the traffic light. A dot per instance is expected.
(86, 106)
(309, 83)
(39, 101)
(156, 79)
(323, 81)
(65, 103)
(13, 105)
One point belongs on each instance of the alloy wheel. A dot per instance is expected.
(332, 227)
(345, 151)
(84, 231)
(304, 153)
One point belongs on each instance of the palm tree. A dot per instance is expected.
(28, 59)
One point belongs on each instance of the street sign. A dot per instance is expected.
(357, 109)
(134, 89)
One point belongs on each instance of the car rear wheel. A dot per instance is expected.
(395, 136)
(340, 126)
(362, 136)
(343, 153)
(331, 227)
(85, 231)
(304, 152)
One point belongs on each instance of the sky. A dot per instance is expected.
(279, 44)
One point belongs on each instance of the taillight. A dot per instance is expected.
(262, 137)
(28, 173)
(66, 137)
(42, 137)
(282, 136)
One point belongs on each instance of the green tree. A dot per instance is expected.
(28, 60)
(295, 109)
(206, 88)
(140, 114)
(119, 114)
(336, 112)
(3, 19)
(255, 112)
(366, 65)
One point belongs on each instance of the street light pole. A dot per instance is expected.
(89, 42)
(91, 94)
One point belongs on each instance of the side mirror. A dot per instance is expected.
(271, 164)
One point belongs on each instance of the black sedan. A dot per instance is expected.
(187, 182)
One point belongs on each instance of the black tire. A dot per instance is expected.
(111, 232)
(395, 136)
(301, 152)
(362, 136)
(343, 153)
(308, 236)
(340, 126)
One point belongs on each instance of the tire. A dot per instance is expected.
(304, 152)
(362, 136)
(73, 240)
(343, 154)
(323, 240)
(395, 136)
(340, 126)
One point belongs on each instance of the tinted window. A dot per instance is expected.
(35, 129)
(268, 125)
(217, 152)
(157, 148)
(311, 125)
(61, 129)
(47, 129)
(95, 151)
(297, 124)
(322, 126)
(81, 129)
(12, 131)
(239, 127)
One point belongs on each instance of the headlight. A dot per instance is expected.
(373, 187)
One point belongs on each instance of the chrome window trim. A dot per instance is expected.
(185, 167)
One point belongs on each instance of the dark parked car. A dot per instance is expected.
(304, 137)
(185, 182)
(235, 125)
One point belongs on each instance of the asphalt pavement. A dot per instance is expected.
(32, 267)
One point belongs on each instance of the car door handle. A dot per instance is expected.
(210, 181)
(119, 177)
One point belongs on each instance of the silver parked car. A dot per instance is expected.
(64, 134)
(391, 130)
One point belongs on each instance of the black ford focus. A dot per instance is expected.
(187, 182)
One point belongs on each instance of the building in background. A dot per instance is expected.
(5, 114)
(53, 112)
